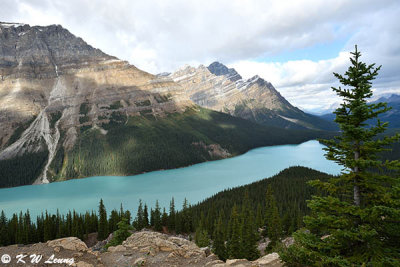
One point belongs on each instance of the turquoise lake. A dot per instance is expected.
(195, 182)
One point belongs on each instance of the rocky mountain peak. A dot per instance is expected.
(219, 69)
(43, 46)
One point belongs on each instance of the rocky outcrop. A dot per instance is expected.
(156, 249)
(71, 243)
(144, 248)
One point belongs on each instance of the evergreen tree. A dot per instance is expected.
(47, 227)
(186, 218)
(274, 230)
(3, 230)
(234, 242)
(164, 218)
(139, 220)
(28, 234)
(357, 223)
(259, 216)
(219, 248)
(121, 234)
(286, 224)
(113, 221)
(128, 216)
(269, 201)
(157, 217)
(103, 227)
(249, 234)
(171, 216)
(145, 216)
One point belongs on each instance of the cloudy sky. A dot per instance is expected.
(296, 45)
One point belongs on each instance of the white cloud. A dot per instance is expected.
(158, 35)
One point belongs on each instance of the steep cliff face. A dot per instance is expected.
(222, 89)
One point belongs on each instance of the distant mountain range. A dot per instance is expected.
(68, 110)
(392, 116)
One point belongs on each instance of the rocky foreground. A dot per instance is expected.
(143, 248)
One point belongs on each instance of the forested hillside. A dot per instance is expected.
(134, 145)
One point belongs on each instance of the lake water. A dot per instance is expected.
(195, 182)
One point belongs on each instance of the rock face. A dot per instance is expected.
(52, 84)
(144, 248)
(71, 243)
(219, 69)
(222, 89)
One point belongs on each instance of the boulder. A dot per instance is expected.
(118, 248)
(70, 243)
(269, 260)
(238, 262)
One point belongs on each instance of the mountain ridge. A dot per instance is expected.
(392, 116)
(222, 89)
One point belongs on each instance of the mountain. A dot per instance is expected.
(222, 89)
(392, 116)
(68, 110)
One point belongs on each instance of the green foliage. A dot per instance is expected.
(22, 170)
(171, 216)
(249, 234)
(293, 191)
(157, 217)
(139, 222)
(234, 240)
(103, 230)
(201, 237)
(358, 222)
(116, 105)
(121, 234)
(273, 225)
(219, 247)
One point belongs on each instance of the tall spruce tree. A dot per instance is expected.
(234, 241)
(358, 222)
(121, 234)
(3, 230)
(157, 217)
(274, 230)
(103, 226)
(139, 222)
(249, 234)
(145, 216)
(171, 216)
(219, 247)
